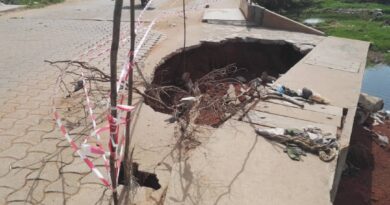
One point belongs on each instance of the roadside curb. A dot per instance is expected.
(9, 8)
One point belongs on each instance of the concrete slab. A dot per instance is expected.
(224, 16)
(340, 87)
(217, 174)
(336, 54)
(238, 167)
(301, 113)
(8, 8)
(235, 166)
(274, 120)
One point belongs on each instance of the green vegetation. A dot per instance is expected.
(32, 3)
(349, 19)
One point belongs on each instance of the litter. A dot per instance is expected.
(188, 100)
(383, 140)
(78, 86)
(294, 152)
(310, 139)
(304, 94)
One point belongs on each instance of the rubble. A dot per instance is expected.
(366, 174)
(370, 103)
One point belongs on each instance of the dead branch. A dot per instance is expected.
(100, 75)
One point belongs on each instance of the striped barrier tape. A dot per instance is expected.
(114, 124)
(76, 149)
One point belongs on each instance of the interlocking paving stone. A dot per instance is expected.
(5, 165)
(53, 135)
(4, 192)
(29, 120)
(31, 161)
(66, 155)
(53, 198)
(7, 123)
(46, 145)
(15, 179)
(32, 191)
(17, 151)
(27, 130)
(63, 144)
(46, 125)
(71, 182)
(17, 130)
(38, 193)
(42, 110)
(60, 186)
(88, 194)
(8, 107)
(90, 179)
(6, 142)
(32, 138)
(78, 166)
(19, 203)
(30, 105)
(18, 114)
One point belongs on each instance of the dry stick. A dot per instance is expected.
(184, 35)
(146, 83)
(113, 94)
(102, 77)
(127, 162)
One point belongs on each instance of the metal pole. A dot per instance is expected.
(113, 94)
(127, 162)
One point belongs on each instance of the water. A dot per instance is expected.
(313, 21)
(376, 82)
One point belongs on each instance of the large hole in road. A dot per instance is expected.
(251, 57)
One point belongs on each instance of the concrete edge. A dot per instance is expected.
(11, 9)
(268, 19)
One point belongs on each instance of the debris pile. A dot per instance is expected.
(369, 114)
(214, 97)
(366, 175)
(375, 119)
(221, 93)
(297, 142)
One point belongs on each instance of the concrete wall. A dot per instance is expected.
(266, 18)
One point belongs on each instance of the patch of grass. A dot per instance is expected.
(387, 57)
(34, 3)
(371, 31)
(337, 4)
(358, 26)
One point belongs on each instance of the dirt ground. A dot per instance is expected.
(369, 182)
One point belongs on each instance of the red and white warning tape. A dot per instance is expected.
(78, 151)
(117, 140)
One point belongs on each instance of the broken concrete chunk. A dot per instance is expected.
(306, 48)
(231, 92)
(370, 103)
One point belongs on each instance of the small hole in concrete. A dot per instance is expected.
(145, 179)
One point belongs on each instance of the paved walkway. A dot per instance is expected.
(37, 165)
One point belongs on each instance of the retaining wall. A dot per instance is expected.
(266, 18)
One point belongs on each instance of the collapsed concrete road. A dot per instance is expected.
(229, 164)
(233, 165)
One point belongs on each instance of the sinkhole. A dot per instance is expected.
(251, 59)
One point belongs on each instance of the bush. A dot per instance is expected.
(30, 2)
(278, 5)
(368, 1)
